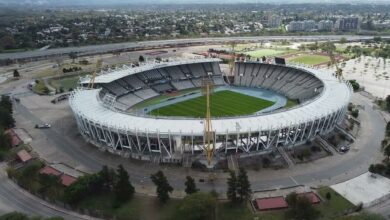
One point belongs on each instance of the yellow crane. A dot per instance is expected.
(92, 80)
(232, 60)
(208, 130)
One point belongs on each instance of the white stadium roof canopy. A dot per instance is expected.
(115, 74)
(334, 96)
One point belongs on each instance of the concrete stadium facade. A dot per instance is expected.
(323, 101)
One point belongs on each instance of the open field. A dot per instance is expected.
(223, 103)
(65, 82)
(336, 203)
(265, 52)
(310, 59)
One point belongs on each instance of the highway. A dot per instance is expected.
(104, 48)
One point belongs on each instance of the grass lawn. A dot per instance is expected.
(101, 205)
(40, 88)
(335, 205)
(66, 82)
(226, 211)
(223, 103)
(310, 59)
(265, 52)
(14, 50)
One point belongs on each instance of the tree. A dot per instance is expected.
(302, 47)
(163, 188)
(377, 168)
(5, 140)
(190, 185)
(49, 185)
(328, 47)
(198, 206)
(355, 85)
(388, 103)
(386, 152)
(16, 73)
(377, 39)
(6, 103)
(6, 119)
(343, 40)
(73, 56)
(231, 192)
(96, 183)
(313, 47)
(243, 185)
(78, 190)
(300, 208)
(108, 178)
(141, 59)
(123, 189)
(355, 113)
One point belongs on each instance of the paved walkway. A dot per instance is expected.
(67, 145)
(324, 171)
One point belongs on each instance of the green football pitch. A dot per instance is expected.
(223, 103)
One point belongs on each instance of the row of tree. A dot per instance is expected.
(384, 167)
(239, 188)
(105, 181)
(6, 121)
(71, 69)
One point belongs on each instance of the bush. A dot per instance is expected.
(306, 153)
(355, 113)
(350, 107)
(328, 196)
(71, 69)
(355, 85)
(315, 148)
(377, 168)
(266, 162)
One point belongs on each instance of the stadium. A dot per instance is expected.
(180, 111)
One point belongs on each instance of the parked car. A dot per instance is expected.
(43, 126)
(344, 148)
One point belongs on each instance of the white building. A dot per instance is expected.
(274, 21)
(325, 25)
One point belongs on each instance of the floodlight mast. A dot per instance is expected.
(209, 134)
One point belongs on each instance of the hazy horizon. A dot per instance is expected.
(116, 2)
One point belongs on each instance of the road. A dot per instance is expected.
(338, 169)
(96, 49)
(325, 172)
(19, 200)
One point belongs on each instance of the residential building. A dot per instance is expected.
(347, 24)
